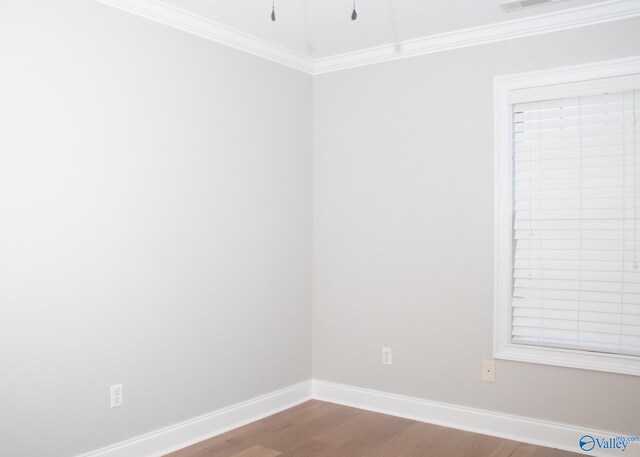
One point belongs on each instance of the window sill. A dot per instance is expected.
(595, 361)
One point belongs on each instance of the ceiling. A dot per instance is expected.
(321, 28)
(313, 34)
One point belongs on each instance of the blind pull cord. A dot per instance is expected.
(635, 188)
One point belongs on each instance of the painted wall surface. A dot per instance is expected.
(403, 232)
(156, 228)
(155, 206)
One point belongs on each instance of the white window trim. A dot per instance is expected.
(504, 86)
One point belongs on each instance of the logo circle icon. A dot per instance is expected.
(587, 443)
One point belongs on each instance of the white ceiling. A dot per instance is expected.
(318, 35)
(321, 28)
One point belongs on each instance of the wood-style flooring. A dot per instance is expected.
(321, 429)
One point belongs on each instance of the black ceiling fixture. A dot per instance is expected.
(354, 15)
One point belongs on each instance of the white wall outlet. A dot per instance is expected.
(386, 356)
(116, 395)
(489, 370)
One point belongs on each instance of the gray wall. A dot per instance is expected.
(403, 232)
(155, 205)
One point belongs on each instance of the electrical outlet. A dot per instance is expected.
(488, 370)
(386, 356)
(116, 395)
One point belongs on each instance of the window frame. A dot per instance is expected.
(503, 348)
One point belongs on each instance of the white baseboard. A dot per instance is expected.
(533, 431)
(174, 437)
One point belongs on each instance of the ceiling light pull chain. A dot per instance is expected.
(354, 14)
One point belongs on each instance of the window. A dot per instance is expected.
(567, 279)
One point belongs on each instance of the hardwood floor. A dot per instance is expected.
(320, 429)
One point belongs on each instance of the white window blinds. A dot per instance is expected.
(576, 228)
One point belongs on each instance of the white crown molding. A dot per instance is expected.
(551, 22)
(518, 428)
(163, 441)
(205, 28)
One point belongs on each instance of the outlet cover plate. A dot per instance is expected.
(116, 395)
